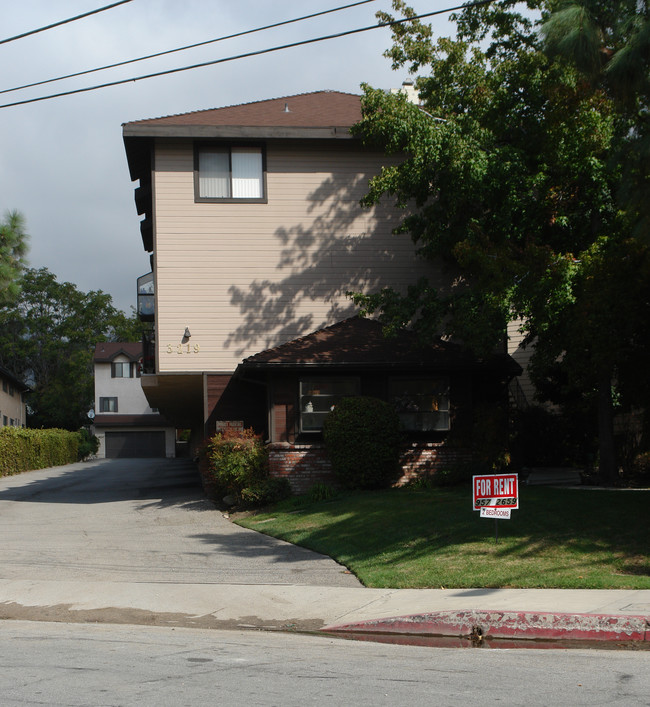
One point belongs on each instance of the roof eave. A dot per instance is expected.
(474, 366)
(230, 132)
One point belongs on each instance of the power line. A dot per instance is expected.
(63, 22)
(246, 55)
(189, 46)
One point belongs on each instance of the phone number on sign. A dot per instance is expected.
(495, 502)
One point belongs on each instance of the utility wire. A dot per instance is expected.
(63, 22)
(189, 46)
(245, 55)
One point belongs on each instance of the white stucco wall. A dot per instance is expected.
(128, 391)
(130, 401)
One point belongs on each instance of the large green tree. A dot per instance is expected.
(47, 336)
(13, 248)
(608, 41)
(510, 173)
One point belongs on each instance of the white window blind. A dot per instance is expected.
(246, 173)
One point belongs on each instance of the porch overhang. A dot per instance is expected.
(178, 396)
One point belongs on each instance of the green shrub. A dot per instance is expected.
(24, 450)
(542, 437)
(265, 492)
(362, 440)
(455, 475)
(237, 460)
(88, 444)
(322, 492)
(641, 468)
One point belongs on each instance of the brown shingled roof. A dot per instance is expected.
(361, 342)
(318, 109)
(106, 351)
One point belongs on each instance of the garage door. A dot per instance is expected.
(135, 444)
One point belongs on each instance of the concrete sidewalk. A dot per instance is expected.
(624, 615)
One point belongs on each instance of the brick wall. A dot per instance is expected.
(426, 458)
(305, 465)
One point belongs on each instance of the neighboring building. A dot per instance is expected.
(13, 409)
(253, 219)
(124, 422)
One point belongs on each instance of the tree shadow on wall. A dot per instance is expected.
(342, 248)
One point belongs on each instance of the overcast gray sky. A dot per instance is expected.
(62, 160)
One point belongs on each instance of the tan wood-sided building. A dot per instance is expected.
(252, 216)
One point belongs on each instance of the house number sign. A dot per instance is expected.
(183, 348)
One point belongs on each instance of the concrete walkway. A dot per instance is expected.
(134, 541)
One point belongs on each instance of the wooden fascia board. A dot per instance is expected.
(235, 132)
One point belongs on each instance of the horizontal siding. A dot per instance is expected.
(246, 277)
(522, 356)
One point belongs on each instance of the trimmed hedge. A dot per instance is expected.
(24, 449)
(362, 440)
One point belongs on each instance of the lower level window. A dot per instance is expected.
(319, 396)
(421, 403)
(108, 405)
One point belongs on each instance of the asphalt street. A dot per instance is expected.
(51, 664)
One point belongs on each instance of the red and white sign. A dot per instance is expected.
(494, 494)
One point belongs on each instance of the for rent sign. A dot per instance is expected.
(495, 495)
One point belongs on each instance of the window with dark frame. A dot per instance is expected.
(230, 173)
(121, 370)
(108, 405)
(421, 403)
(319, 396)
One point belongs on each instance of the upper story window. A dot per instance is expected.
(121, 370)
(231, 173)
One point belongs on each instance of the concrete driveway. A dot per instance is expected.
(139, 521)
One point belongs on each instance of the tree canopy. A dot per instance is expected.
(47, 337)
(13, 248)
(516, 172)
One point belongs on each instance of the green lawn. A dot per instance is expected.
(570, 538)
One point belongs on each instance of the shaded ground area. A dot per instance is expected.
(135, 520)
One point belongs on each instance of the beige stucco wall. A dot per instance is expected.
(131, 400)
(247, 277)
(128, 391)
(12, 407)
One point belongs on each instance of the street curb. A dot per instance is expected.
(508, 624)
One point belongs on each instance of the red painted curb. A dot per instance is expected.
(509, 624)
